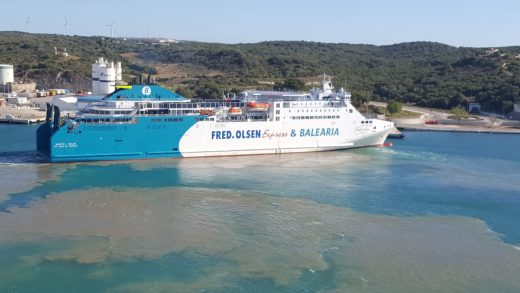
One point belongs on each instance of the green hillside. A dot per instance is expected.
(424, 73)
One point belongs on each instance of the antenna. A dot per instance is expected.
(148, 27)
(111, 28)
(28, 23)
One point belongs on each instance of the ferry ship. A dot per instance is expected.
(148, 121)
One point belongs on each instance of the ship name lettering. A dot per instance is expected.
(319, 132)
(268, 134)
(239, 134)
(62, 145)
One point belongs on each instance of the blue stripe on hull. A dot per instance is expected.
(149, 137)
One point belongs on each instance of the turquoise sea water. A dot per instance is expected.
(437, 212)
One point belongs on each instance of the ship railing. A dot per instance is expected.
(107, 120)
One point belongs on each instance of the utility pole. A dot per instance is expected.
(111, 28)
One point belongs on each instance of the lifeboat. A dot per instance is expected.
(235, 111)
(255, 106)
(207, 112)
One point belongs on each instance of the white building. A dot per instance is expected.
(515, 115)
(105, 75)
(15, 100)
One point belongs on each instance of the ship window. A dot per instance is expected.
(350, 110)
(277, 118)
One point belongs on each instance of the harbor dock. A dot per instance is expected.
(13, 115)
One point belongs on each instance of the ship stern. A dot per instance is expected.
(44, 134)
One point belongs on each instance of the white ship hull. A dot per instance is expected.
(252, 138)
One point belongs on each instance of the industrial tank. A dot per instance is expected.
(107, 79)
(95, 75)
(119, 72)
(6, 74)
(105, 75)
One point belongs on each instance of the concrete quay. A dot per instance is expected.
(458, 128)
(21, 115)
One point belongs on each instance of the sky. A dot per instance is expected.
(475, 23)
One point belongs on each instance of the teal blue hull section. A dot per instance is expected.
(145, 137)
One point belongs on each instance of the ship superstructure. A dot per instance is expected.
(148, 121)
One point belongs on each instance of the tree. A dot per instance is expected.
(292, 84)
(492, 121)
(394, 107)
(186, 92)
(459, 113)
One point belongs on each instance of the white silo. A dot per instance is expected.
(119, 72)
(105, 75)
(107, 78)
(6, 74)
(95, 75)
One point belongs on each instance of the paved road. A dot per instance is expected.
(435, 114)
(427, 112)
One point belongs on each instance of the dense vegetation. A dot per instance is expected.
(423, 73)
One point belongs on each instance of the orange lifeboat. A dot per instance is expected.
(207, 112)
(254, 106)
(235, 111)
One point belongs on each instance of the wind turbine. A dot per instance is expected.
(66, 25)
(28, 23)
(111, 28)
